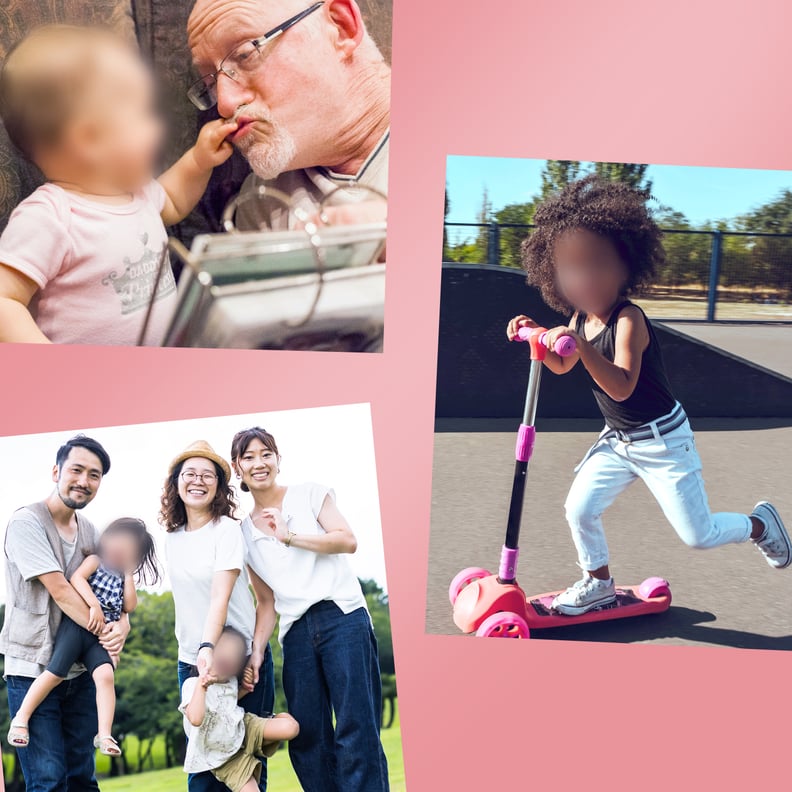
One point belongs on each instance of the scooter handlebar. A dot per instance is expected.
(564, 346)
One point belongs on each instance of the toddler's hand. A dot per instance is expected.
(96, 620)
(212, 149)
(558, 332)
(516, 323)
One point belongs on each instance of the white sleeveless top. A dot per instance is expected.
(301, 578)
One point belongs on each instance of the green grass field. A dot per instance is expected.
(281, 775)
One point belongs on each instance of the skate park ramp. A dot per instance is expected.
(735, 382)
(730, 371)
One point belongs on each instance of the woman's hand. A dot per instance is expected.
(114, 636)
(204, 663)
(251, 676)
(274, 518)
(516, 323)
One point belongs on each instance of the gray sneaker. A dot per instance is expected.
(585, 595)
(774, 542)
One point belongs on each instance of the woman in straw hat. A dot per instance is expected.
(205, 561)
(297, 552)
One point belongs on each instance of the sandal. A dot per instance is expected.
(18, 735)
(107, 745)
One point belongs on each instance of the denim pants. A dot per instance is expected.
(60, 757)
(260, 701)
(331, 667)
(670, 467)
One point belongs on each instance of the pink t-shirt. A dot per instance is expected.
(95, 265)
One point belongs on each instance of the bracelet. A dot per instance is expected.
(206, 645)
(289, 539)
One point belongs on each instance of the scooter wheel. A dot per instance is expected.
(465, 578)
(504, 625)
(654, 587)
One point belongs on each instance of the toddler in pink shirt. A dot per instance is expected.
(79, 258)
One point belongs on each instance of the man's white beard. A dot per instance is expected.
(271, 157)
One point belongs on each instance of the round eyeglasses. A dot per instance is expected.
(244, 59)
(189, 476)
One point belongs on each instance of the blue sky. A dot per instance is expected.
(700, 193)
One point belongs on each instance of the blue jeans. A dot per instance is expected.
(670, 467)
(60, 757)
(330, 666)
(260, 701)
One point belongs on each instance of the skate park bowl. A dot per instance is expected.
(480, 375)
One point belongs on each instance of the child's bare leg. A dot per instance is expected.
(603, 573)
(251, 786)
(44, 684)
(281, 727)
(104, 679)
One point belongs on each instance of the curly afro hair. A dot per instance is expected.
(613, 210)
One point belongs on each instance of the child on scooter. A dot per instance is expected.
(593, 245)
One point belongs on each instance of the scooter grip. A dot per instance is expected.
(564, 346)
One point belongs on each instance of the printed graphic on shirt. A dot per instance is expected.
(135, 285)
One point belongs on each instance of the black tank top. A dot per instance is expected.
(652, 397)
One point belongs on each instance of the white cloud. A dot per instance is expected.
(330, 445)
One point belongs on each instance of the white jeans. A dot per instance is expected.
(671, 468)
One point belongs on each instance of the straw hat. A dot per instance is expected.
(200, 448)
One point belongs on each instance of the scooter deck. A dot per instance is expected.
(629, 602)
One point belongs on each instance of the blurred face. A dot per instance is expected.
(258, 466)
(589, 271)
(280, 103)
(78, 478)
(120, 551)
(118, 131)
(198, 483)
(228, 656)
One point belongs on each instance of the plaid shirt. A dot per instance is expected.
(109, 589)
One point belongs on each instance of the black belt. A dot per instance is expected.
(664, 426)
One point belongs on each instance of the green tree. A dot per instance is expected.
(520, 215)
(557, 174)
(630, 173)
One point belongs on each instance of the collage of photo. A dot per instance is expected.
(240, 555)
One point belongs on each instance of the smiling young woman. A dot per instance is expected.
(206, 565)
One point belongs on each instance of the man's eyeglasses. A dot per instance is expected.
(189, 476)
(242, 60)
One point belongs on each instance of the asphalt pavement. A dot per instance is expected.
(726, 596)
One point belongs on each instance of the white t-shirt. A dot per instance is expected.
(221, 734)
(193, 557)
(301, 578)
(95, 265)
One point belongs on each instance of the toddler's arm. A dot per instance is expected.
(16, 323)
(79, 581)
(130, 593)
(617, 379)
(185, 182)
(196, 709)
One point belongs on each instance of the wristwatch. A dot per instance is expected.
(289, 538)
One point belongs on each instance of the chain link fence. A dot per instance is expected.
(708, 275)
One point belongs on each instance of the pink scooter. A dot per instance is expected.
(494, 605)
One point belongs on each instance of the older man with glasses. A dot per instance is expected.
(310, 92)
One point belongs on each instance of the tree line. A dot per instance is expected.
(751, 264)
(147, 689)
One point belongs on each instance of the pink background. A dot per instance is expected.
(696, 83)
